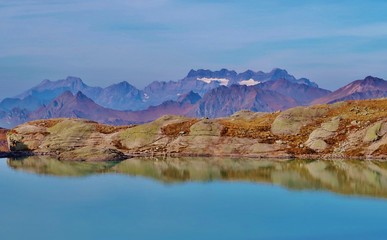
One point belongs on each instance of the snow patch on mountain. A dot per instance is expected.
(250, 82)
(222, 81)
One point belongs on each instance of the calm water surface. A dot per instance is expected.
(192, 198)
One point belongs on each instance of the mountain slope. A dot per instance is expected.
(80, 106)
(16, 116)
(29, 103)
(121, 96)
(224, 101)
(302, 93)
(48, 90)
(368, 88)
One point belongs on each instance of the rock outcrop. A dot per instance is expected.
(327, 130)
(68, 139)
(3, 140)
(354, 129)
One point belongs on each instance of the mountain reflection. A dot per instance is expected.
(346, 177)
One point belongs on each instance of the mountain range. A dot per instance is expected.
(124, 96)
(202, 93)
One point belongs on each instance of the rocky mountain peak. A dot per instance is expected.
(278, 73)
(126, 85)
(205, 73)
(372, 80)
(369, 83)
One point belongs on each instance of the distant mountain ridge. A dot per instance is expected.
(197, 95)
(219, 102)
(80, 106)
(124, 96)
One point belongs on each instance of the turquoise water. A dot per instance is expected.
(192, 199)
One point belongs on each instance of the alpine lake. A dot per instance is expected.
(192, 198)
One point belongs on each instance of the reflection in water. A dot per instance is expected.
(345, 177)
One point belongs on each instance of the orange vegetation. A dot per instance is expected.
(108, 129)
(256, 128)
(179, 128)
(3, 140)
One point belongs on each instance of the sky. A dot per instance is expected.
(140, 41)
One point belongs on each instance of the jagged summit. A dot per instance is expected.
(48, 89)
(372, 80)
(249, 77)
(122, 87)
(70, 81)
(223, 73)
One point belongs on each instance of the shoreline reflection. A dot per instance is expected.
(348, 177)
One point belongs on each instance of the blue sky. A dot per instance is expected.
(107, 41)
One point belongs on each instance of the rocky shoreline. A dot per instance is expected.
(345, 130)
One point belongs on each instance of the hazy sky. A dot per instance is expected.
(107, 41)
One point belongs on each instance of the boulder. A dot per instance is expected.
(316, 140)
(291, 121)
